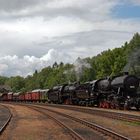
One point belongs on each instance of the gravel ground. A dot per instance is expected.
(28, 124)
(84, 131)
(125, 128)
(131, 112)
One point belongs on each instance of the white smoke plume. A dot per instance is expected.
(133, 64)
(79, 66)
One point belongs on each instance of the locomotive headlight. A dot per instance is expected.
(132, 86)
(128, 97)
(91, 94)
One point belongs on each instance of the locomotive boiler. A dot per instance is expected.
(103, 85)
(101, 89)
(83, 94)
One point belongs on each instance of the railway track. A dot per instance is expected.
(73, 134)
(111, 134)
(3, 126)
(108, 114)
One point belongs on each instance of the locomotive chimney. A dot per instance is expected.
(126, 73)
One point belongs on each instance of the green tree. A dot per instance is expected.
(16, 83)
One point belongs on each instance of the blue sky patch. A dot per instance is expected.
(126, 11)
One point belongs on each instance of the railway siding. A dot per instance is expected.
(94, 126)
(113, 115)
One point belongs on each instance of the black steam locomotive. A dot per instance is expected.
(113, 92)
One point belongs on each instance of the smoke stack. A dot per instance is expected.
(126, 73)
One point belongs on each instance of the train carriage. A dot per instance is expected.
(22, 97)
(39, 95)
(16, 96)
(35, 95)
(28, 96)
(10, 96)
(44, 95)
(4, 97)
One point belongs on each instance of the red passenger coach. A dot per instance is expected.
(36, 95)
(22, 97)
(4, 97)
(16, 96)
(28, 96)
(10, 96)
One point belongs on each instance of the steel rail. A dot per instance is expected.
(108, 114)
(74, 135)
(7, 121)
(94, 126)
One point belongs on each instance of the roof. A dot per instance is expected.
(40, 90)
(1, 94)
(16, 94)
(10, 93)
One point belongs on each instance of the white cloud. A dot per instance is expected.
(74, 28)
(87, 9)
(13, 65)
(135, 2)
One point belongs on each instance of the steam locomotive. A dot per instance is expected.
(121, 92)
(111, 92)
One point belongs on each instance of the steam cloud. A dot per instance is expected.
(79, 66)
(77, 70)
(133, 64)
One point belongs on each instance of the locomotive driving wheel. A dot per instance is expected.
(67, 102)
(112, 105)
(126, 107)
(101, 105)
(137, 108)
(107, 105)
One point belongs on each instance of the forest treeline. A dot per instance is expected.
(107, 63)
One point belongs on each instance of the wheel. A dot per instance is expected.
(112, 106)
(126, 107)
(137, 108)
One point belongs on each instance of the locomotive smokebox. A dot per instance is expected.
(128, 83)
(131, 83)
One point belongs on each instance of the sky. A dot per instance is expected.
(36, 33)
